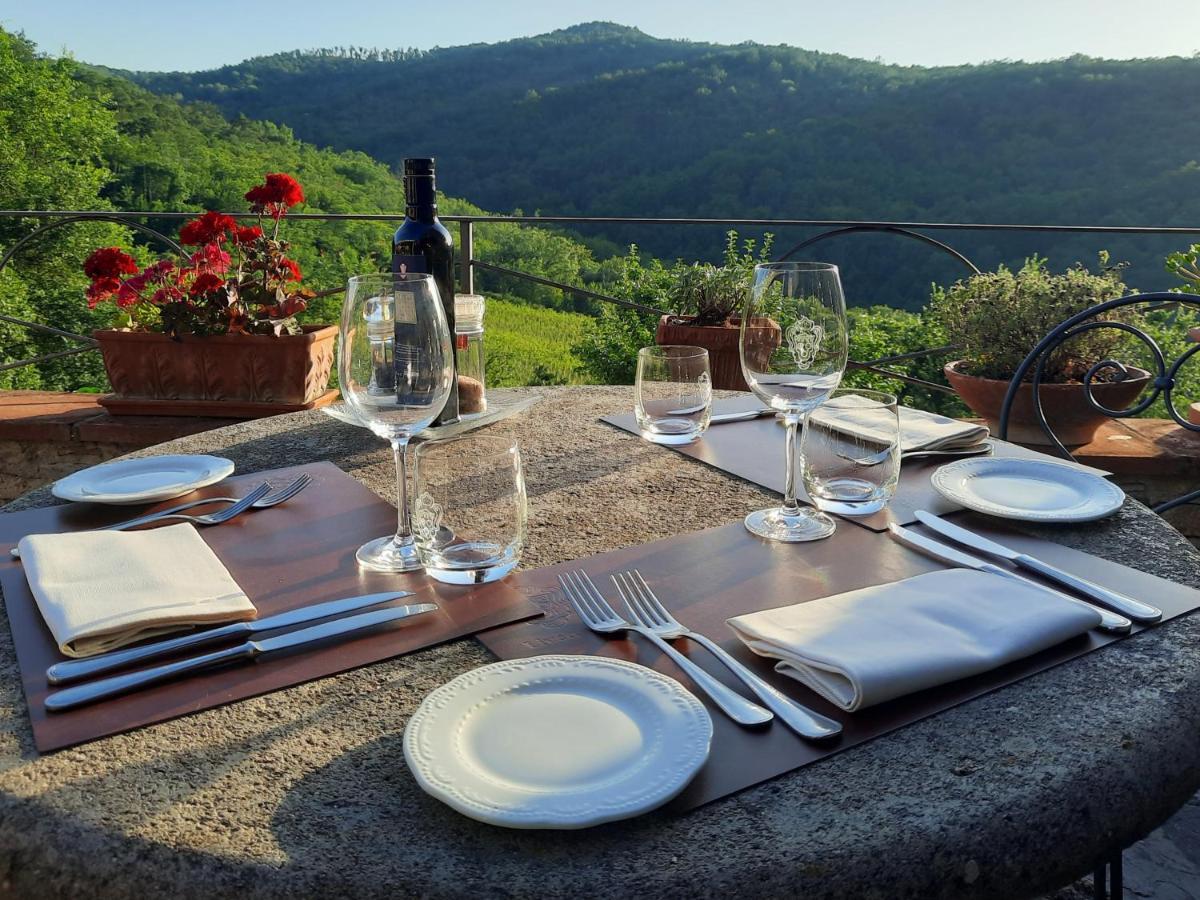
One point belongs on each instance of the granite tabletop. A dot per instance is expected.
(305, 792)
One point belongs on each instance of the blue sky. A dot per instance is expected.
(137, 34)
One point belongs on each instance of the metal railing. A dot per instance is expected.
(469, 265)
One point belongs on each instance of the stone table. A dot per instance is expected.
(305, 792)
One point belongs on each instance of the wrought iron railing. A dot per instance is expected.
(469, 265)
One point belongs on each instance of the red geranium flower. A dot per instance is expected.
(210, 227)
(247, 235)
(109, 262)
(211, 258)
(276, 195)
(101, 289)
(289, 270)
(206, 282)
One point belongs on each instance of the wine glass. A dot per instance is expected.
(397, 393)
(794, 370)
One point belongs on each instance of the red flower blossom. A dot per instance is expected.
(127, 296)
(101, 289)
(247, 235)
(276, 195)
(210, 227)
(289, 270)
(109, 262)
(206, 282)
(211, 258)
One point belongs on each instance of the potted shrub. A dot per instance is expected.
(215, 333)
(996, 318)
(706, 299)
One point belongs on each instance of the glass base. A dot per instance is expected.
(385, 555)
(851, 507)
(777, 525)
(669, 439)
(472, 562)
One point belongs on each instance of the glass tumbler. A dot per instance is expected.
(470, 513)
(850, 452)
(672, 394)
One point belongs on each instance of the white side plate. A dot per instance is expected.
(147, 480)
(557, 741)
(1031, 490)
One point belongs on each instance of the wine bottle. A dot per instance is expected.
(422, 244)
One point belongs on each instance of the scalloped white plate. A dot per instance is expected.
(145, 480)
(1031, 490)
(557, 741)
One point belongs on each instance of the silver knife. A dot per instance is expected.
(1134, 609)
(744, 416)
(76, 669)
(1109, 621)
(68, 698)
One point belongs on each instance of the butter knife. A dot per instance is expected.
(1109, 621)
(80, 694)
(77, 669)
(1127, 606)
(744, 416)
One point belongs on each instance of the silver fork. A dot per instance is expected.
(283, 494)
(597, 615)
(216, 518)
(647, 610)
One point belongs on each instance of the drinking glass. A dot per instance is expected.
(672, 394)
(793, 370)
(395, 391)
(470, 510)
(850, 452)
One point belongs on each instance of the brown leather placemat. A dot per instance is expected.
(291, 555)
(754, 451)
(709, 576)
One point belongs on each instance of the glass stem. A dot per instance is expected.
(403, 529)
(790, 506)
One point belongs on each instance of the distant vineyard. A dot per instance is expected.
(531, 345)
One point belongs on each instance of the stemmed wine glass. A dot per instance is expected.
(794, 371)
(395, 390)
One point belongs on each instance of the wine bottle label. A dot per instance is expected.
(408, 262)
(406, 307)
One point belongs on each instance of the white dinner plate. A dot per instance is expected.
(146, 480)
(557, 741)
(1032, 490)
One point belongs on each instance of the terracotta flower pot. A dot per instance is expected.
(236, 375)
(1073, 420)
(721, 342)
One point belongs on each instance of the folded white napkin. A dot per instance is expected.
(919, 430)
(99, 590)
(864, 647)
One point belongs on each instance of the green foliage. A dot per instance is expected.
(51, 156)
(1186, 265)
(879, 331)
(996, 318)
(527, 345)
(609, 346)
(627, 124)
(714, 294)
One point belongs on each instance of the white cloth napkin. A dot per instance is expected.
(864, 647)
(99, 590)
(919, 430)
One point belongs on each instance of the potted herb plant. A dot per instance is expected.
(996, 318)
(214, 333)
(706, 300)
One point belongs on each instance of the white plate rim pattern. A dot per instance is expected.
(446, 782)
(1104, 501)
(69, 487)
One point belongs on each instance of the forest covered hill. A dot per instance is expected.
(602, 119)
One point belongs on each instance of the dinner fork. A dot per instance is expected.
(597, 615)
(224, 515)
(283, 494)
(647, 610)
